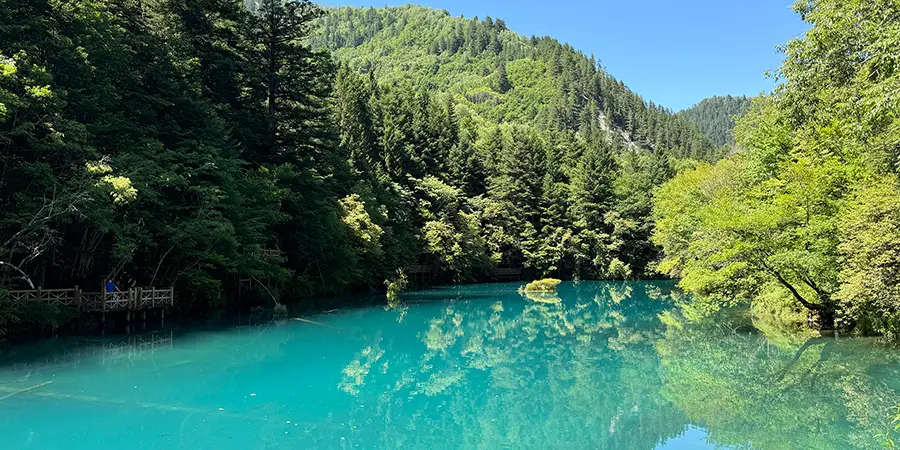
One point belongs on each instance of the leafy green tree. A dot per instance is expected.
(593, 199)
(450, 233)
(466, 167)
(355, 120)
(794, 222)
(639, 178)
(592, 186)
(869, 267)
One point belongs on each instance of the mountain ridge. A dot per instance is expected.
(550, 84)
(715, 116)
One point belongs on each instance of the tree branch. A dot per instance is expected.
(794, 292)
(24, 276)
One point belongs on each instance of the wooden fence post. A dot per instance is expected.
(129, 306)
(77, 295)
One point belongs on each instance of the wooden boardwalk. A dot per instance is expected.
(137, 299)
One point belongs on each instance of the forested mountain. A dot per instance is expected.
(715, 117)
(805, 218)
(543, 159)
(498, 76)
(198, 144)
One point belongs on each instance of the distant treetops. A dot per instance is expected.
(715, 117)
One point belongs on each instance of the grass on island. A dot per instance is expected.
(545, 285)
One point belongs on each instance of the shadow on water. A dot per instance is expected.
(596, 365)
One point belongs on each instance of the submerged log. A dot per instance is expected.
(22, 391)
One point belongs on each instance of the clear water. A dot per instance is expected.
(464, 367)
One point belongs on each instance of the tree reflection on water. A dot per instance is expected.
(595, 367)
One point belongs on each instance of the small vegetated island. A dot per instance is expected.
(544, 285)
(542, 291)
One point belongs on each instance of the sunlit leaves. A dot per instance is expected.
(870, 270)
(360, 224)
(806, 217)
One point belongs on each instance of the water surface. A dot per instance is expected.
(464, 367)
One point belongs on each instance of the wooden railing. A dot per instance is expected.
(153, 298)
(131, 300)
(56, 297)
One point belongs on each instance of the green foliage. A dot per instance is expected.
(450, 234)
(171, 107)
(715, 117)
(396, 285)
(870, 268)
(732, 241)
(196, 144)
(20, 318)
(500, 76)
(543, 285)
(360, 224)
(892, 430)
(803, 219)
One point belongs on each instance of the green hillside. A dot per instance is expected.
(499, 76)
(715, 117)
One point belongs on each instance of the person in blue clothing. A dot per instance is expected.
(110, 286)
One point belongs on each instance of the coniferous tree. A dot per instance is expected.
(503, 85)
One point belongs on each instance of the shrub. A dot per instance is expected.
(545, 285)
(397, 285)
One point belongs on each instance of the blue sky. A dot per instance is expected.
(673, 52)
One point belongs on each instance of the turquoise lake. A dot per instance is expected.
(600, 366)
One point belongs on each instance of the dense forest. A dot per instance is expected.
(715, 116)
(319, 151)
(198, 144)
(806, 218)
(496, 76)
